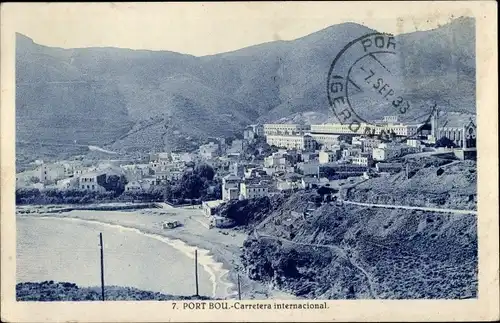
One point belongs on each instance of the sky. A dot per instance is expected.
(208, 28)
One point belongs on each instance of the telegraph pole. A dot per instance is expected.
(102, 267)
(239, 288)
(196, 271)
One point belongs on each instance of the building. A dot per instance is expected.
(93, 181)
(308, 168)
(364, 129)
(220, 222)
(237, 169)
(327, 141)
(230, 187)
(50, 172)
(292, 142)
(248, 134)
(133, 186)
(210, 207)
(285, 129)
(209, 151)
(68, 183)
(414, 143)
(349, 153)
(326, 157)
(250, 190)
(309, 182)
(362, 160)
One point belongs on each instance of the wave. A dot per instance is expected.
(214, 268)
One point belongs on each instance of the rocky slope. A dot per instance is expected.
(356, 252)
(436, 184)
(322, 250)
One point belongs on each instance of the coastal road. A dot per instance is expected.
(338, 250)
(419, 208)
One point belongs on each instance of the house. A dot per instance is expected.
(362, 160)
(209, 151)
(308, 168)
(209, 207)
(326, 157)
(230, 187)
(137, 186)
(250, 190)
(220, 222)
(309, 182)
(50, 172)
(237, 169)
(93, 181)
(236, 147)
(289, 183)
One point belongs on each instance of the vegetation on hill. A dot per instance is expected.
(135, 100)
(50, 291)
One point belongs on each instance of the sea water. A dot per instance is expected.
(67, 250)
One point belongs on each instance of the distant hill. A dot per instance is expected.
(124, 99)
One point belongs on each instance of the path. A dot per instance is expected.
(420, 208)
(333, 247)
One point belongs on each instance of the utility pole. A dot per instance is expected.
(102, 267)
(239, 288)
(196, 271)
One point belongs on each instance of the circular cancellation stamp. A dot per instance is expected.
(365, 79)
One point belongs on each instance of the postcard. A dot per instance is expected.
(249, 162)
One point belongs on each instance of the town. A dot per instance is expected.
(268, 159)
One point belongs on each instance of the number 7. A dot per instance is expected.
(369, 76)
(173, 305)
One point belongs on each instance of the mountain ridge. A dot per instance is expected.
(97, 95)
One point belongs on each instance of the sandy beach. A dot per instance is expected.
(219, 249)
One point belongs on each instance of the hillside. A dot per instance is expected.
(442, 185)
(354, 252)
(99, 96)
(349, 251)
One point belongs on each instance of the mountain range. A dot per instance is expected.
(129, 100)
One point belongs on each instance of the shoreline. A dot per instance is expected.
(205, 257)
(221, 247)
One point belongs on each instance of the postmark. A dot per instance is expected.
(366, 74)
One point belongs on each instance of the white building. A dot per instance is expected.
(209, 207)
(230, 187)
(386, 151)
(414, 143)
(326, 157)
(50, 172)
(209, 151)
(253, 190)
(292, 142)
(93, 181)
(362, 160)
(285, 129)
